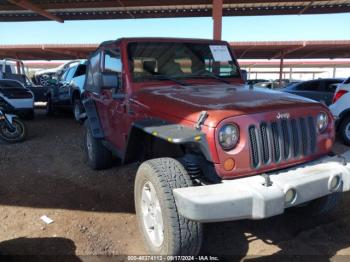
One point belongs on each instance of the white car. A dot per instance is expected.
(341, 110)
(14, 94)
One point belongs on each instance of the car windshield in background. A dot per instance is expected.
(10, 84)
(166, 61)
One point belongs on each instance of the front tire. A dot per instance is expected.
(98, 156)
(164, 230)
(344, 130)
(15, 136)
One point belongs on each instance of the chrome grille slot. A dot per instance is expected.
(265, 143)
(304, 140)
(295, 135)
(276, 139)
(282, 140)
(254, 146)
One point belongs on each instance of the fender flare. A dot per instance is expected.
(93, 119)
(172, 133)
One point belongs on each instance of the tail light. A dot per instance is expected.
(338, 95)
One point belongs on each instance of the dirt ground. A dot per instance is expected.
(93, 212)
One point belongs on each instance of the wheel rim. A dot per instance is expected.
(347, 130)
(89, 144)
(152, 215)
(76, 111)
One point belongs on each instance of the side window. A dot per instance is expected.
(112, 62)
(81, 70)
(70, 73)
(64, 76)
(92, 82)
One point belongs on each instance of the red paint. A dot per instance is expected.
(224, 104)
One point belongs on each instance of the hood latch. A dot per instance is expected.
(202, 117)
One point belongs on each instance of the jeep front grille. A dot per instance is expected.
(281, 140)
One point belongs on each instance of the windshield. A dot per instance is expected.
(164, 61)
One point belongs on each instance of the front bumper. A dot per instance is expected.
(249, 198)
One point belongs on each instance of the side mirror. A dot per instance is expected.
(110, 80)
(244, 75)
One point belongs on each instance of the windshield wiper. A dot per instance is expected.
(165, 77)
(212, 75)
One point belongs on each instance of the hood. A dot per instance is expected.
(220, 101)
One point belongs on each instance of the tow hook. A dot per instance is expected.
(202, 117)
(268, 181)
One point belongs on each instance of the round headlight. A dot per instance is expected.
(229, 136)
(322, 122)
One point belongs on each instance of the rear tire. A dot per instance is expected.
(344, 130)
(164, 230)
(77, 109)
(98, 156)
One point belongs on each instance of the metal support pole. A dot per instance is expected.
(334, 71)
(281, 70)
(217, 19)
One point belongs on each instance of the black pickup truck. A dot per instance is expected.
(66, 93)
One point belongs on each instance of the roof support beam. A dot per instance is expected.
(306, 8)
(288, 51)
(217, 19)
(26, 4)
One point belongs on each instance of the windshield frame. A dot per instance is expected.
(192, 77)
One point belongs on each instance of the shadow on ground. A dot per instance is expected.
(49, 171)
(38, 249)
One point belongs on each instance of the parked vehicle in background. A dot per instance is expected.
(341, 110)
(68, 90)
(255, 81)
(212, 148)
(321, 90)
(17, 98)
(13, 69)
(275, 84)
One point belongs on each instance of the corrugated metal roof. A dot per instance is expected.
(243, 50)
(121, 9)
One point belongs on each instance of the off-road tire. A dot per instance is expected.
(323, 209)
(181, 236)
(342, 130)
(77, 105)
(50, 111)
(97, 155)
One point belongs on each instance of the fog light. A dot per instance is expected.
(229, 164)
(290, 196)
(335, 183)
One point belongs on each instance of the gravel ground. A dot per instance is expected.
(93, 212)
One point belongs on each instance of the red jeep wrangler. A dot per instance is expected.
(212, 149)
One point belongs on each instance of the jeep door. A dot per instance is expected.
(115, 107)
(111, 109)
